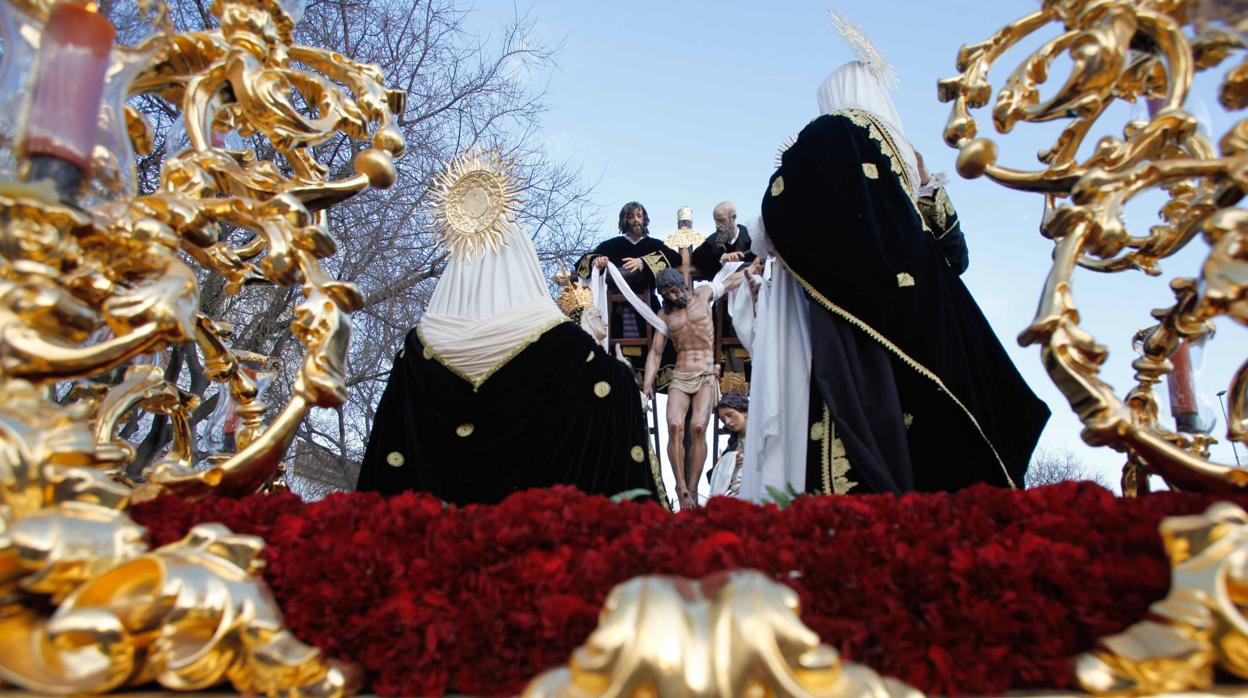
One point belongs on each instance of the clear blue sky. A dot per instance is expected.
(685, 103)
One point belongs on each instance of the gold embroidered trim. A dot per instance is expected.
(835, 461)
(938, 211)
(896, 350)
(888, 147)
(841, 484)
(656, 262)
(879, 133)
(476, 383)
(870, 170)
(659, 488)
(825, 427)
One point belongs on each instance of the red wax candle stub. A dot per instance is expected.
(1181, 383)
(69, 84)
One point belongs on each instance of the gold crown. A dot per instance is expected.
(574, 299)
(734, 382)
(684, 213)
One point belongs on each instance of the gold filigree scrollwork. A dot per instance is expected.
(727, 635)
(84, 293)
(1198, 627)
(87, 609)
(1129, 50)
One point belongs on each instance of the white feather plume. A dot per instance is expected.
(864, 50)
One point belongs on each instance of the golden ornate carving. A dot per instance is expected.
(82, 293)
(727, 635)
(1130, 50)
(87, 609)
(188, 615)
(1198, 627)
(476, 195)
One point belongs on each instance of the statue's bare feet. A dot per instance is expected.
(686, 500)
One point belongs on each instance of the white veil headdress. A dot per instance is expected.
(864, 84)
(492, 299)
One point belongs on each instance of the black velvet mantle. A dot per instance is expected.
(559, 412)
(839, 215)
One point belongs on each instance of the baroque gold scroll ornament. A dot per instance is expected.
(1198, 627)
(733, 634)
(88, 291)
(83, 293)
(1123, 50)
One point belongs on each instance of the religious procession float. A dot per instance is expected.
(204, 572)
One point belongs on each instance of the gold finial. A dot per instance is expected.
(684, 236)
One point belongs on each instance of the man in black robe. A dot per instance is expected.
(730, 243)
(640, 259)
(910, 387)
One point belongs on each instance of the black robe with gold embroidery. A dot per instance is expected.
(655, 257)
(910, 383)
(560, 412)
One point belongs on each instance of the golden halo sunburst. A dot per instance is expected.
(475, 196)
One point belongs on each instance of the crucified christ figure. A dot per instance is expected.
(694, 382)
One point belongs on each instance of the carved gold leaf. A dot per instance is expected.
(1133, 51)
(1198, 627)
(733, 634)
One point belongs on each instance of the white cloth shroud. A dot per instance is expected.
(740, 299)
(775, 452)
(485, 307)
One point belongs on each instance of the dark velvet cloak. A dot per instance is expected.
(559, 412)
(838, 213)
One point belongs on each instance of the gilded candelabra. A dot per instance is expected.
(1124, 50)
(93, 277)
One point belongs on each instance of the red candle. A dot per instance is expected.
(1182, 384)
(63, 118)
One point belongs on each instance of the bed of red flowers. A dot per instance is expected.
(978, 592)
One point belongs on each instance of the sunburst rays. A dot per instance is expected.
(475, 197)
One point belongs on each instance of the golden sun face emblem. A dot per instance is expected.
(475, 197)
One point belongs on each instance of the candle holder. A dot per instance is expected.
(95, 281)
(104, 152)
